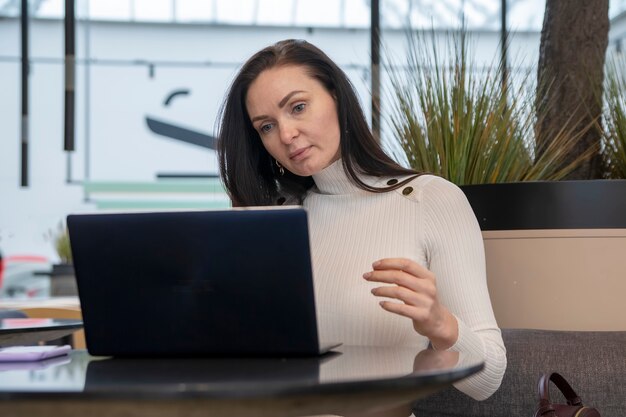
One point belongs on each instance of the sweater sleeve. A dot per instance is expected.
(456, 255)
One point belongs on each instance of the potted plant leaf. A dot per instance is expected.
(62, 278)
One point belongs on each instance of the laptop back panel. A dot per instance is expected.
(195, 283)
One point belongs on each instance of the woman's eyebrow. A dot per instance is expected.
(281, 104)
(287, 97)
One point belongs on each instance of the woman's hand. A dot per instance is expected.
(416, 287)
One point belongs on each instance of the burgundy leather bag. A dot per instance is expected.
(574, 406)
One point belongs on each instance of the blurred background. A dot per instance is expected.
(149, 81)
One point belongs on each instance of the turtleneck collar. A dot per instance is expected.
(333, 180)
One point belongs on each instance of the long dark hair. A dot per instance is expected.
(249, 172)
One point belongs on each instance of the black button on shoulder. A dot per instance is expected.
(407, 190)
(392, 181)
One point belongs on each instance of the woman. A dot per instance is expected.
(398, 257)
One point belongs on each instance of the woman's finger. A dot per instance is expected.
(401, 278)
(416, 314)
(399, 293)
(403, 264)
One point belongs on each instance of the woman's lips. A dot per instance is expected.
(299, 154)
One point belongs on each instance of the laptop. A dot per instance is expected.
(202, 283)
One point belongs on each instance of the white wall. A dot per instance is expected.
(121, 94)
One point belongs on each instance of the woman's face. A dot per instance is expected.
(296, 118)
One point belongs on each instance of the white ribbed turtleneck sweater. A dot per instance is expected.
(434, 225)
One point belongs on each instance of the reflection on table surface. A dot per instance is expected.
(228, 377)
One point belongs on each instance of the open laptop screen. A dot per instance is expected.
(234, 282)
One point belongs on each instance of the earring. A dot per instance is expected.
(280, 167)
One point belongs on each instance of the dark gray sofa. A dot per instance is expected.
(593, 362)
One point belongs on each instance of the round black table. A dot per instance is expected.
(350, 380)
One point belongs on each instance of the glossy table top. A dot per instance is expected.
(281, 386)
(28, 331)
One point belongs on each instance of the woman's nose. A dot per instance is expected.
(288, 132)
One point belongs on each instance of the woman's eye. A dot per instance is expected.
(266, 128)
(298, 108)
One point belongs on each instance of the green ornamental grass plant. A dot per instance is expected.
(455, 119)
(614, 141)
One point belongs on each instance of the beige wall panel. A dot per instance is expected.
(558, 279)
